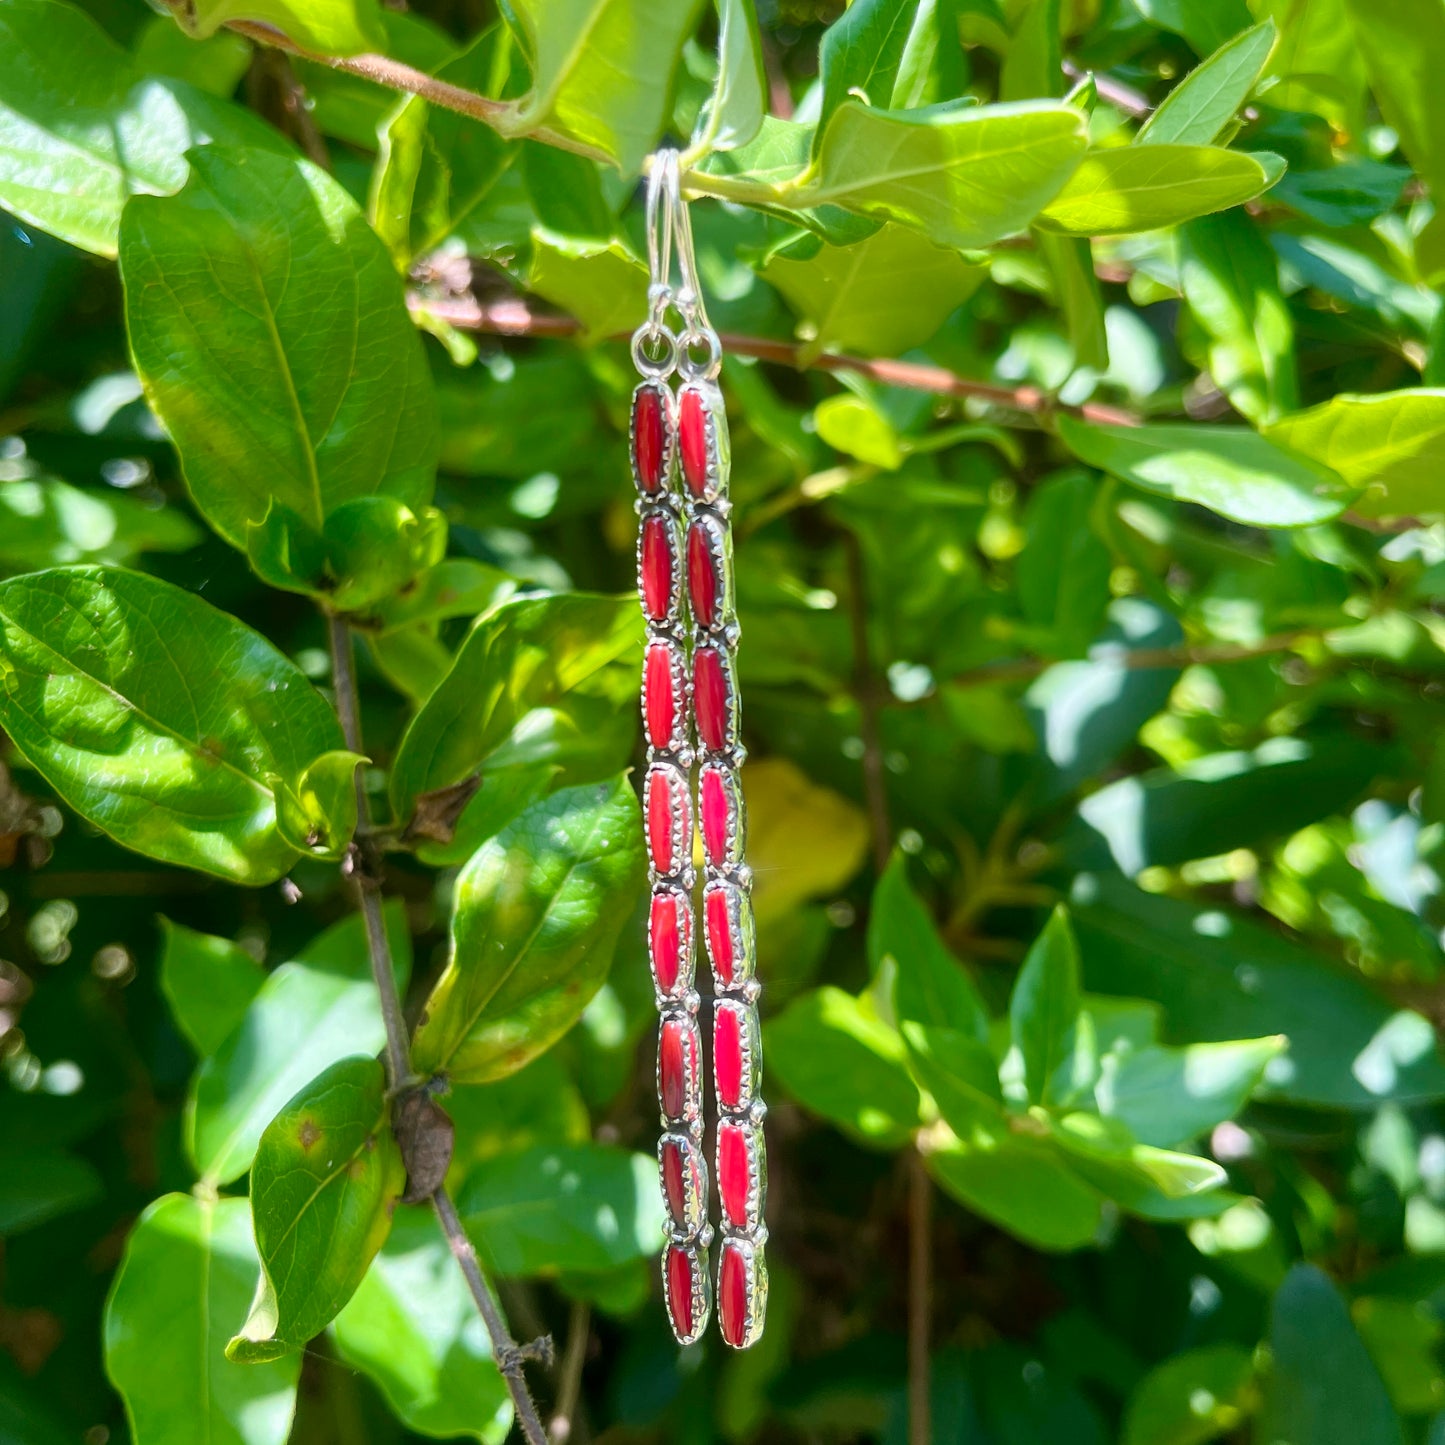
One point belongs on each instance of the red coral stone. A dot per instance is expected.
(649, 437)
(732, 1173)
(702, 578)
(679, 1289)
(665, 933)
(692, 432)
(656, 567)
(674, 1182)
(660, 831)
(715, 813)
(732, 1288)
(674, 1059)
(710, 695)
(727, 1055)
(718, 921)
(661, 705)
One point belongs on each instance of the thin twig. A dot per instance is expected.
(513, 316)
(569, 1389)
(920, 1296)
(509, 1357)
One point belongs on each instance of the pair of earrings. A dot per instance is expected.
(680, 463)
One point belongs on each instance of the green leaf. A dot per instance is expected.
(582, 1208)
(960, 1073)
(1070, 262)
(209, 983)
(412, 1327)
(536, 917)
(1205, 24)
(964, 177)
(856, 427)
(930, 985)
(1143, 1179)
(861, 52)
(839, 1060)
(739, 101)
(529, 653)
(81, 128)
(317, 814)
(1167, 1096)
(882, 296)
(1200, 108)
(1231, 282)
(157, 717)
(187, 1276)
(1062, 575)
(1219, 802)
(1122, 189)
(601, 283)
(1218, 977)
(45, 522)
(1322, 1388)
(327, 1176)
(333, 27)
(317, 1008)
(43, 1183)
(1391, 444)
(601, 71)
(1230, 470)
(334, 403)
(1191, 1398)
(1044, 1016)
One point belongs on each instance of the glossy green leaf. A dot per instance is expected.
(930, 985)
(839, 1060)
(1231, 283)
(333, 27)
(412, 1327)
(538, 1105)
(1062, 573)
(739, 100)
(964, 177)
(187, 1277)
(960, 1074)
(1070, 261)
(81, 128)
(881, 296)
(600, 282)
(1139, 188)
(1167, 1096)
(1201, 106)
(1230, 470)
(1205, 24)
(583, 1208)
(160, 719)
(1193, 1397)
(317, 815)
(1391, 444)
(1222, 801)
(601, 71)
(43, 1183)
(1044, 1017)
(298, 385)
(529, 653)
(861, 52)
(1219, 977)
(536, 917)
(45, 522)
(1141, 1178)
(317, 1008)
(327, 1176)
(209, 983)
(1322, 1387)
(857, 428)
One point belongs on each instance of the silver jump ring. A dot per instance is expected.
(654, 333)
(691, 368)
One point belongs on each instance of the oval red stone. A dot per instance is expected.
(649, 437)
(674, 1066)
(692, 433)
(727, 1055)
(717, 918)
(665, 931)
(674, 1182)
(661, 705)
(664, 801)
(732, 1173)
(710, 697)
(732, 1289)
(702, 577)
(679, 1289)
(656, 567)
(715, 817)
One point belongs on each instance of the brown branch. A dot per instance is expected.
(920, 1297)
(513, 316)
(361, 865)
(563, 1425)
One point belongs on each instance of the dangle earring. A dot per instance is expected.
(686, 437)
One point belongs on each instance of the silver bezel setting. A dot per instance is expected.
(718, 442)
(731, 750)
(741, 930)
(755, 1276)
(701, 1290)
(679, 810)
(677, 743)
(748, 1106)
(671, 621)
(669, 438)
(694, 1188)
(686, 951)
(717, 539)
(691, 1117)
(757, 1177)
(735, 829)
